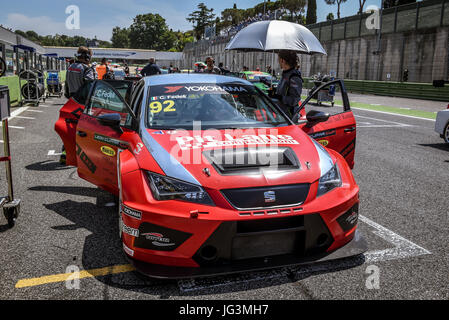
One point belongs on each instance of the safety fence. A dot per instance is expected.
(423, 91)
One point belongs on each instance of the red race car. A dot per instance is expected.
(213, 177)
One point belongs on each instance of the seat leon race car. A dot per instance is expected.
(212, 177)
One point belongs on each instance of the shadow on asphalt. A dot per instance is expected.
(47, 165)
(439, 146)
(104, 248)
(77, 191)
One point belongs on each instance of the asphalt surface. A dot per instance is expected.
(401, 168)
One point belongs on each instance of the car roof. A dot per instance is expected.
(178, 78)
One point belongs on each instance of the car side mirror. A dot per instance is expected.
(111, 120)
(314, 117)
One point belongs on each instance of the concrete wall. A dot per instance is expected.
(413, 37)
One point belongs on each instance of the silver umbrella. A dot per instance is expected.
(276, 35)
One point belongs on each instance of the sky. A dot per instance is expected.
(99, 17)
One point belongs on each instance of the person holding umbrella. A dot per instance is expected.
(289, 89)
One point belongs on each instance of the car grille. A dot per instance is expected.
(267, 197)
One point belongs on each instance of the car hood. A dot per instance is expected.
(221, 159)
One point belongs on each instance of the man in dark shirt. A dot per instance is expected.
(211, 68)
(151, 69)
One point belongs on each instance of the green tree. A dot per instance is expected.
(201, 18)
(311, 12)
(295, 7)
(120, 37)
(330, 17)
(338, 2)
(150, 31)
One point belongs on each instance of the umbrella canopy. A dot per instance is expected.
(200, 63)
(276, 35)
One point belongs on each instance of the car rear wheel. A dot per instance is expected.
(446, 133)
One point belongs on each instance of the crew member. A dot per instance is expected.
(151, 69)
(102, 69)
(79, 71)
(77, 74)
(211, 68)
(289, 89)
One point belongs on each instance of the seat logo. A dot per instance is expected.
(270, 196)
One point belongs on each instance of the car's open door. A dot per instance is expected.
(103, 128)
(339, 131)
(69, 115)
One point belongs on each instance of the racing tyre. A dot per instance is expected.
(446, 133)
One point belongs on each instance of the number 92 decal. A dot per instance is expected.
(166, 106)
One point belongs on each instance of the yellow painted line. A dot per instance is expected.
(82, 274)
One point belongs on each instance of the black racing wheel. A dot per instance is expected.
(2, 67)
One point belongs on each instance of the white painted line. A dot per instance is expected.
(387, 121)
(381, 126)
(22, 117)
(35, 110)
(52, 153)
(403, 248)
(393, 114)
(14, 127)
(44, 106)
(15, 113)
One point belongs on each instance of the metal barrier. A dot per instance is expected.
(425, 91)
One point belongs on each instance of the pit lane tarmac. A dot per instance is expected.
(65, 224)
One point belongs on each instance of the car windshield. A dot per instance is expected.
(214, 106)
(260, 78)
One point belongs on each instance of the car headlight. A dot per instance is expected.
(165, 188)
(329, 181)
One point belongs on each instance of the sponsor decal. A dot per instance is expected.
(85, 159)
(324, 143)
(108, 151)
(158, 239)
(196, 142)
(323, 134)
(270, 196)
(132, 212)
(128, 251)
(138, 148)
(215, 89)
(131, 231)
(173, 89)
(206, 88)
(111, 141)
(169, 97)
(158, 132)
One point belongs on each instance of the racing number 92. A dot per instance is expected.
(166, 106)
